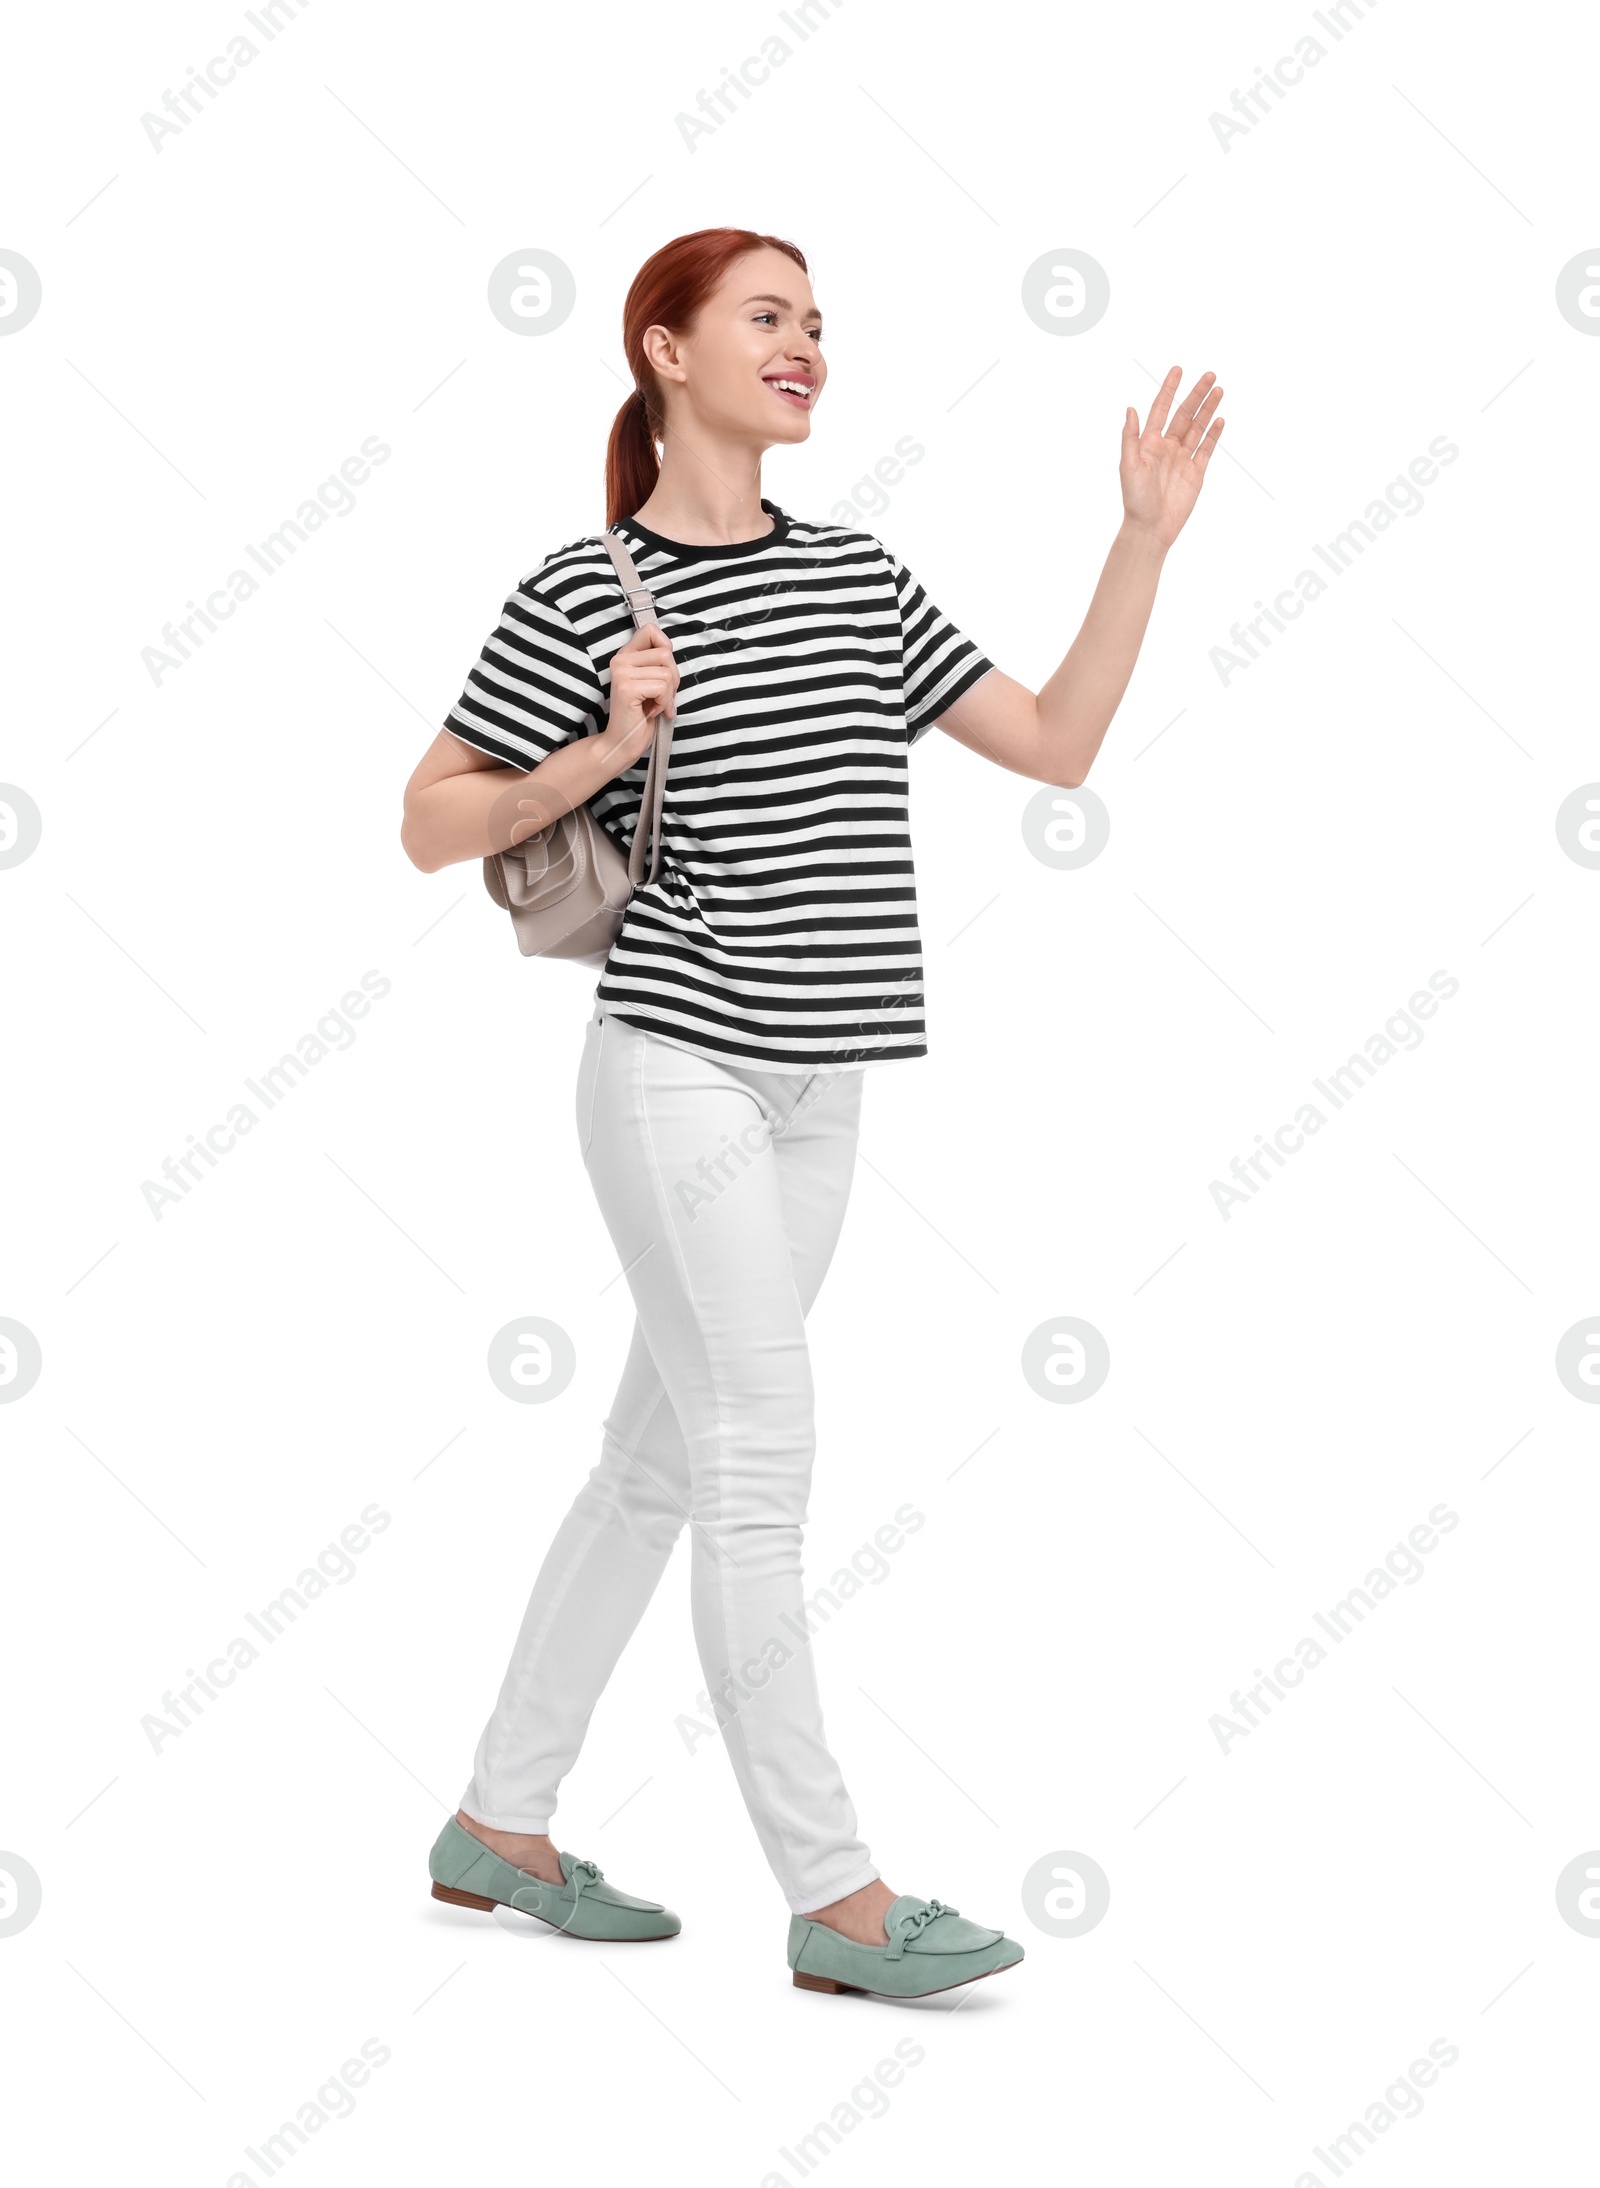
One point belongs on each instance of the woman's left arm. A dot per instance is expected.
(1054, 734)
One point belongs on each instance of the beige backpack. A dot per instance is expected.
(567, 887)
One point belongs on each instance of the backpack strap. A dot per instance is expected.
(642, 607)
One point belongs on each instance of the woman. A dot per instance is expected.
(773, 959)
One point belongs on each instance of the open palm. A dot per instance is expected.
(1164, 466)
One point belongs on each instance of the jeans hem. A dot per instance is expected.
(855, 1883)
(530, 1829)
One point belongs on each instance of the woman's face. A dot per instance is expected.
(751, 365)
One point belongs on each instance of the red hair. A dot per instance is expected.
(667, 291)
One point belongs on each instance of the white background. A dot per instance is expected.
(1291, 855)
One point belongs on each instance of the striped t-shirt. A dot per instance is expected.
(781, 928)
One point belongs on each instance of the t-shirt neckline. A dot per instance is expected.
(684, 550)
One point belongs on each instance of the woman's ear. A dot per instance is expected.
(663, 353)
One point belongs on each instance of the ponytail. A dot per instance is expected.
(667, 291)
(632, 464)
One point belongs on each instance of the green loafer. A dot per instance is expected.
(466, 1873)
(930, 1948)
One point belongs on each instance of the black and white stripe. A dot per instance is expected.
(781, 930)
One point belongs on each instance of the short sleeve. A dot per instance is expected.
(940, 663)
(534, 687)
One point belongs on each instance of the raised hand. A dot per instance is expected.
(1164, 466)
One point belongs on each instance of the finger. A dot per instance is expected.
(1202, 455)
(1187, 412)
(1201, 419)
(1163, 401)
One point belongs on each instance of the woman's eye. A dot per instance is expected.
(815, 333)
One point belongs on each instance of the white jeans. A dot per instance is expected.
(723, 1189)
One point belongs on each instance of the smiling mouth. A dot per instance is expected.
(796, 392)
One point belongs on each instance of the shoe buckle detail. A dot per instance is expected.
(914, 1924)
(583, 1874)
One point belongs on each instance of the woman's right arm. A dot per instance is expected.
(462, 804)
